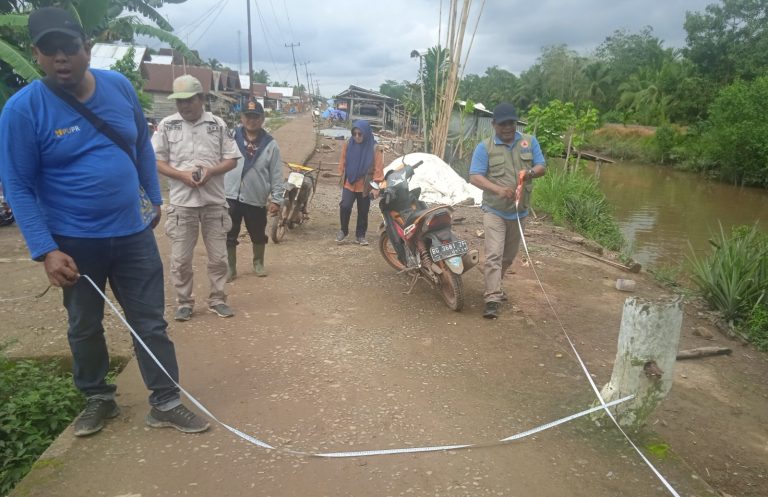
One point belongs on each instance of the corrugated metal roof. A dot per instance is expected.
(285, 91)
(162, 59)
(160, 77)
(104, 55)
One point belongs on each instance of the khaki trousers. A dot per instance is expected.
(502, 241)
(182, 225)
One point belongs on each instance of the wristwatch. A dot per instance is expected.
(530, 173)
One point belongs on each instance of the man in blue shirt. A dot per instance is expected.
(496, 166)
(77, 199)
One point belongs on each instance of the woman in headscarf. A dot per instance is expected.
(361, 161)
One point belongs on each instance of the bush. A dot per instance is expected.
(733, 278)
(37, 402)
(734, 144)
(756, 326)
(576, 200)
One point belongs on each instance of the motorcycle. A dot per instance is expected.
(6, 215)
(299, 190)
(417, 239)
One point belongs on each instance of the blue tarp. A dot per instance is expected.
(336, 114)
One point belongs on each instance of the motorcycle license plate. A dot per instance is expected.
(296, 179)
(459, 247)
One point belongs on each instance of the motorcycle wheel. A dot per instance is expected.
(277, 229)
(451, 289)
(388, 252)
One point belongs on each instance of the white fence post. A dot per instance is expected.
(645, 360)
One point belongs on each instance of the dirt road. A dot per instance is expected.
(328, 354)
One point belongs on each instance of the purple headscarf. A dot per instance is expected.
(359, 158)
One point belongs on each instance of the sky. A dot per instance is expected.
(366, 43)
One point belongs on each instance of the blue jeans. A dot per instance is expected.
(133, 267)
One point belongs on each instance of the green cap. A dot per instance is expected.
(185, 87)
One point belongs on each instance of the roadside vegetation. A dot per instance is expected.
(575, 200)
(37, 402)
(733, 279)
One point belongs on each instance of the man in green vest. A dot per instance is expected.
(495, 168)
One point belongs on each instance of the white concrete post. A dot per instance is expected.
(645, 360)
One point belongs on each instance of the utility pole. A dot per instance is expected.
(309, 87)
(240, 51)
(311, 84)
(250, 50)
(298, 83)
(317, 86)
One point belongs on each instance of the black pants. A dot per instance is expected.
(348, 198)
(255, 222)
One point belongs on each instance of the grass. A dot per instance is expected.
(575, 200)
(37, 401)
(733, 280)
(623, 143)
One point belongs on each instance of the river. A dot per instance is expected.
(660, 210)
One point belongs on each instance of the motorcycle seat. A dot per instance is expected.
(415, 216)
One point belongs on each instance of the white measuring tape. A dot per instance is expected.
(365, 453)
(603, 404)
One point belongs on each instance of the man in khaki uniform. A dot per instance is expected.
(194, 150)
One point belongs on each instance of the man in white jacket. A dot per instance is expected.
(254, 188)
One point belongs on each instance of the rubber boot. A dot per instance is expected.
(231, 263)
(258, 260)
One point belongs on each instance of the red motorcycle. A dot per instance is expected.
(417, 239)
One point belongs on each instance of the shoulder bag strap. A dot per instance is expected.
(97, 122)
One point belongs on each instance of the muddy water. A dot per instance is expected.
(660, 210)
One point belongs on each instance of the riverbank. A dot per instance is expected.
(328, 354)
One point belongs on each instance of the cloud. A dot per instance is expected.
(348, 42)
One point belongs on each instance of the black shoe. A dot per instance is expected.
(179, 417)
(222, 310)
(91, 420)
(183, 314)
(492, 310)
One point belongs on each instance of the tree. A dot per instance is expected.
(495, 86)
(729, 41)
(215, 65)
(734, 145)
(394, 89)
(560, 122)
(598, 80)
(625, 54)
(261, 76)
(127, 67)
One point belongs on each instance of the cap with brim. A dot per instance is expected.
(184, 87)
(253, 107)
(53, 20)
(503, 113)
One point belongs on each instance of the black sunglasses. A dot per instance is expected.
(51, 48)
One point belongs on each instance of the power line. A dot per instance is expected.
(266, 41)
(213, 20)
(287, 16)
(274, 15)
